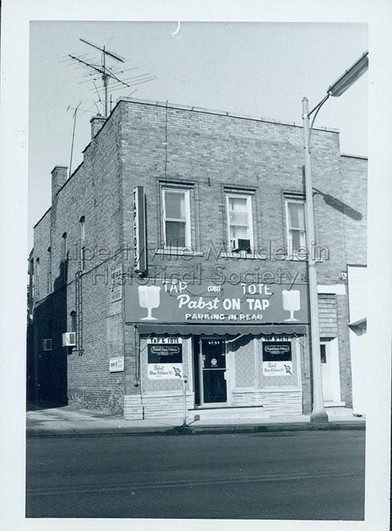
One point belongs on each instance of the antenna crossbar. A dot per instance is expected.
(104, 50)
(108, 73)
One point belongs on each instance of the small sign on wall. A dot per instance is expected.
(277, 358)
(116, 364)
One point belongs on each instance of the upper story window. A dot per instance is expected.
(176, 217)
(296, 228)
(73, 323)
(64, 246)
(36, 279)
(82, 223)
(49, 277)
(239, 222)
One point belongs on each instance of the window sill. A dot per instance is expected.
(178, 251)
(243, 255)
(304, 260)
(332, 403)
(280, 389)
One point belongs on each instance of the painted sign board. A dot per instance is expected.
(164, 357)
(139, 231)
(172, 301)
(277, 358)
(160, 353)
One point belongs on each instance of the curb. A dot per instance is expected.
(196, 430)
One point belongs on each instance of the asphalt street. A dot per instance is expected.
(284, 475)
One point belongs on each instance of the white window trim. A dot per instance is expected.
(186, 192)
(290, 255)
(248, 197)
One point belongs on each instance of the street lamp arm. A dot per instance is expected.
(318, 106)
(317, 111)
(340, 86)
(308, 115)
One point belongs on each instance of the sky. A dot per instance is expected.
(258, 69)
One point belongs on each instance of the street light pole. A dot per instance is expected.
(345, 81)
(318, 412)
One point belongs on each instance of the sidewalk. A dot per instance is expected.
(68, 421)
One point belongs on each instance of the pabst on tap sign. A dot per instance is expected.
(172, 301)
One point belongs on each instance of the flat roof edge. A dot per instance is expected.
(42, 217)
(218, 113)
(351, 156)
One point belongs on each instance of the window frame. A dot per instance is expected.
(64, 247)
(187, 212)
(290, 251)
(73, 324)
(49, 275)
(82, 225)
(37, 278)
(248, 197)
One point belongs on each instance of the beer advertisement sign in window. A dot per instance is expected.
(277, 358)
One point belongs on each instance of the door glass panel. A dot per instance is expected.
(214, 386)
(323, 353)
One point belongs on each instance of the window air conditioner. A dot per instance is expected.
(238, 245)
(46, 345)
(69, 339)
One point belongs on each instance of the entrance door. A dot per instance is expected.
(213, 369)
(330, 371)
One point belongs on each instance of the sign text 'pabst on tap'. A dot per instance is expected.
(175, 302)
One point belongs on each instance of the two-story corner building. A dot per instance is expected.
(172, 264)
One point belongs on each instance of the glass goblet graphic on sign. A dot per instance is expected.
(291, 302)
(149, 298)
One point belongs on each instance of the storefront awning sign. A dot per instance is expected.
(172, 301)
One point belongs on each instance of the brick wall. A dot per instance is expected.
(93, 191)
(354, 172)
(42, 242)
(213, 153)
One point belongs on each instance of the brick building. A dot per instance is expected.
(177, 251)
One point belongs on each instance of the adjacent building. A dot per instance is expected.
(169, 275)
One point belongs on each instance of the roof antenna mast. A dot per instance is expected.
(102, 69)
(109, 73)
(73, 136)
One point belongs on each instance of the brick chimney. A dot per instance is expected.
(97, 122)
(59, 176)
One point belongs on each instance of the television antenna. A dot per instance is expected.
(108, 73)
(75, 114)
